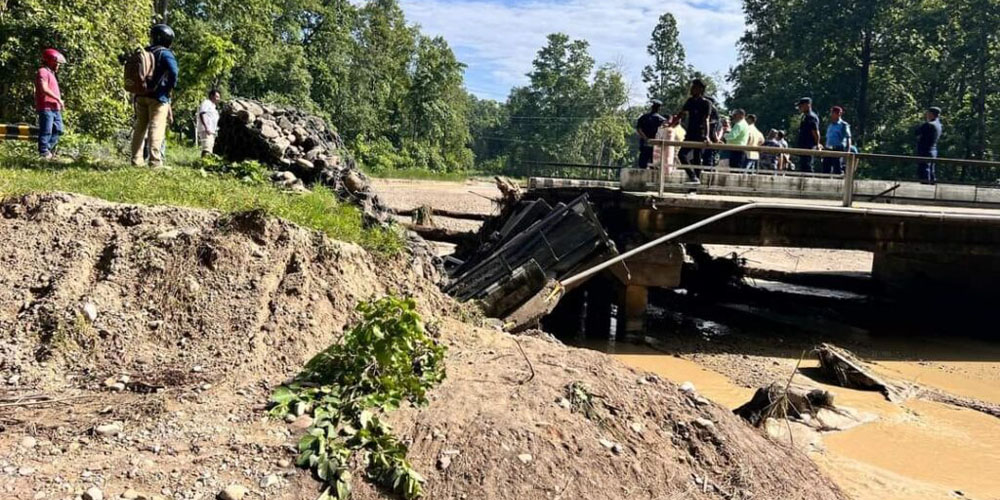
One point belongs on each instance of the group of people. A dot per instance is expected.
(153, 110)
(702, 123)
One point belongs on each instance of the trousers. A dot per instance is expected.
(150, 124)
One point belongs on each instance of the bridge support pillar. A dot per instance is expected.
(925, 276)
(657, 268)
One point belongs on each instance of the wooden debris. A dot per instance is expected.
(849, 371)
(784, 401)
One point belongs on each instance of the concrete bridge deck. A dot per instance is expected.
(952, 250)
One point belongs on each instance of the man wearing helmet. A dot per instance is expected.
(153, 108)
(48, 102)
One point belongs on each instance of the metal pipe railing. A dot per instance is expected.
(938, 215)
(850, 163)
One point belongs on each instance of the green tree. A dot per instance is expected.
(92, 35)
(667, 76)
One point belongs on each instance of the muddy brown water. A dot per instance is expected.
(915, 450)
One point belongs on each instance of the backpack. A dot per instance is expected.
(139, 69)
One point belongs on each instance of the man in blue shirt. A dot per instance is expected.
(153, 109)
(808, 134)
(927, 140)
(838, 138)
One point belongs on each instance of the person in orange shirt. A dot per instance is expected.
(48, 102)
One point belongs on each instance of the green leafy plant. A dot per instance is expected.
(385, 361)
(248, 170)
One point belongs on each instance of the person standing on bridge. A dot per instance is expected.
(697, 110)
(646, 128)
(48, 102)
(808, 133)
(738, 135)
(928, 135)
(754, 138)
(838, 138)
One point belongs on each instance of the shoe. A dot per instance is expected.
(693, 183)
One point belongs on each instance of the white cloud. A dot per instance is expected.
(499, 40)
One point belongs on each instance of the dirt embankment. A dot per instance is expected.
(160, 332)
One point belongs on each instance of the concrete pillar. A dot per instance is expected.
(659, 267)
(926, 276)
(635, 298)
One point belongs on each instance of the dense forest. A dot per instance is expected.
(398, 96)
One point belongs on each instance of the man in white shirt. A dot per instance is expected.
(208, 122)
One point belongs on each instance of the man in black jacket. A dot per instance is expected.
(927, 139)
(646, 129)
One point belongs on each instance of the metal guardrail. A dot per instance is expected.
(850, 164)
(586, 171)
(18, 132)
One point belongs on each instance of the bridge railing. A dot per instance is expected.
(572, 171)
(851, 161)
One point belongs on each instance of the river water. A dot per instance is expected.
(915, 450)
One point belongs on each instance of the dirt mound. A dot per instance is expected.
(194, 317)
(95, 287)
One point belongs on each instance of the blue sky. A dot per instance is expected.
(498, 39)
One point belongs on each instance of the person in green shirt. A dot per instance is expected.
(738, 134)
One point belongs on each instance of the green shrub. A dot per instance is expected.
(384, 361)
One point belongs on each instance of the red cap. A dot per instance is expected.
(837, 109)
(53, 55)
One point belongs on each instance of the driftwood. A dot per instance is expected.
(781, 401)
(441, 234)
(446, 213)
(849, 371)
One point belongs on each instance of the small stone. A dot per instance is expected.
(268, 481)
(26, 471)
(173, 234)
(117, 387)
(233, 492)
(206, 387)
(93, 493)
(564, 403)
(192, 284)
(616, 449)
(636, 427)
(28, 442)
(704, 423)
(130, 494)
(14, 379)
(302, 423)
(284, 464)
(125, 379)
(687, 387)
(197, 369)
(40, 495)
(525, 458)
(607, 444)
(155, 324)
(444, 461)
(89, 311)
(112, 429)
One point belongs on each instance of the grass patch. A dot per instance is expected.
(186, 187)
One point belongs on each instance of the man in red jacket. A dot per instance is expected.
(48, 102)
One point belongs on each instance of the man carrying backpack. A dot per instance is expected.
(152, 93)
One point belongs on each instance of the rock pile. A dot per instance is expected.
(298, 144)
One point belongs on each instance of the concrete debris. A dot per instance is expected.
(301, 147)
(93, 493)
(525, 458)
(233, 492)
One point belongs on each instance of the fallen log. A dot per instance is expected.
(849, 371)
(440, 234)
(446, 213)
